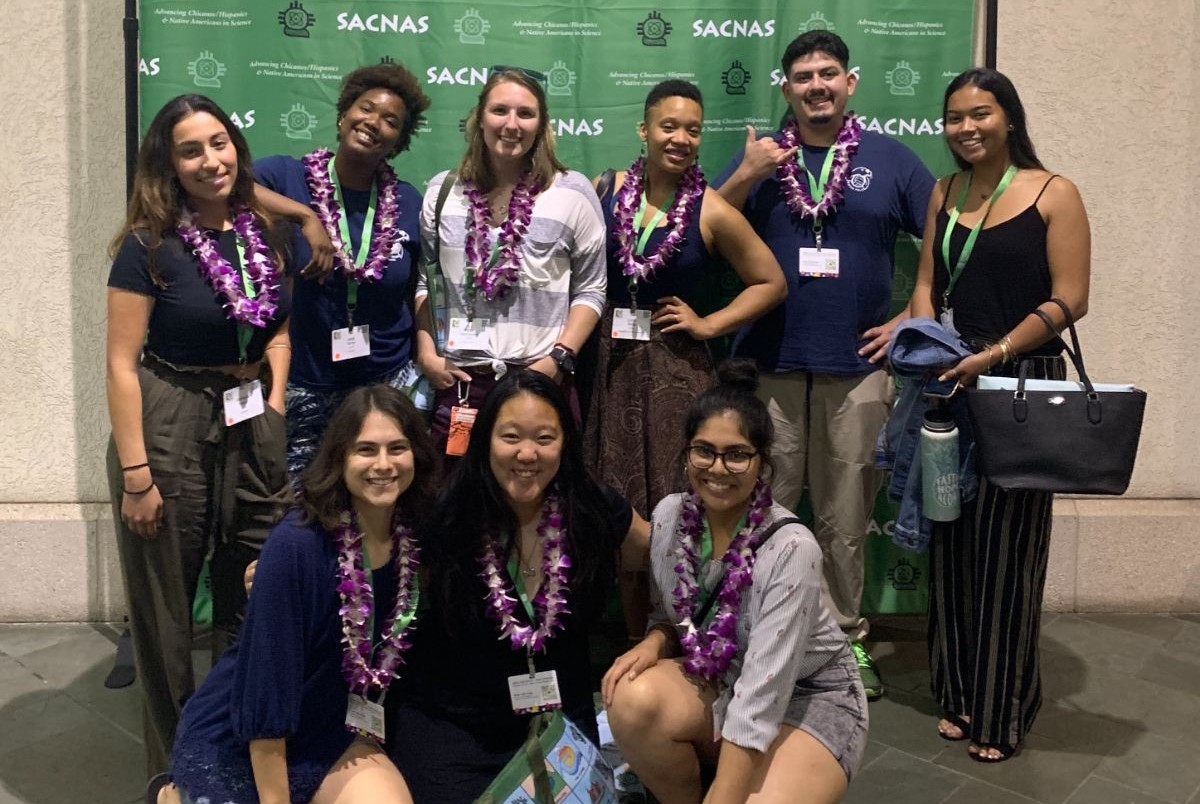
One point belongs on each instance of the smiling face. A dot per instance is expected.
(526, 451)
(721, 490)
(379, 464)
(976, 125)
(371, 127)
(817, 89)
(671, 131)
(205, 160)
(509, 121)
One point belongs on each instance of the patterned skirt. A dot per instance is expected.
(640, 394)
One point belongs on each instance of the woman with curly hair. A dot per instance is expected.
(355, 326)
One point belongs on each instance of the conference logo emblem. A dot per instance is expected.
(297, 123)
(654, 30)
(205, 70)
(735, 79)
(902, 79)
(859, 179)
(295, 20)
(816, 22)
(559, 79)
(903, 576)
(471, 27)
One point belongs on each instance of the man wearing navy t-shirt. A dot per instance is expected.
(829, 199)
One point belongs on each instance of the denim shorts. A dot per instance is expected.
(831, 705)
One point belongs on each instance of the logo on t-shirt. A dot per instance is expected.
(398, 245)
(860, 179)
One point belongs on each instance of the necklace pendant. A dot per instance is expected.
(528, 572)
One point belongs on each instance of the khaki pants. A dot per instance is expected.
(825, 432)
(222, 488)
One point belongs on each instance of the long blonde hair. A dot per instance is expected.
(543, 164)
(156, 202)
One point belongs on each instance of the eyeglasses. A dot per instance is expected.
(736, 461)
(532, 75)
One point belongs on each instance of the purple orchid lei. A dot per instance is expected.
(709, 651)
(364, 673)
(679, 217)
(798, 194)
(224, 279)
(550, 602)
(495, 280)
(387, 216)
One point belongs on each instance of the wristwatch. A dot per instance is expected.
(563, 357)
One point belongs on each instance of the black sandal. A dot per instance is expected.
(1006, 752)
(957, 722)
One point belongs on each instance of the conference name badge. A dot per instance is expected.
(365, 717)
(630, 325)
(243, 401)
(467, 333)
(534, 692)
(819, 262)
(349, 343)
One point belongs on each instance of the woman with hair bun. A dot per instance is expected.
(743, 677)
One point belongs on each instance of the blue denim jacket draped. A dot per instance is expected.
(920, 349)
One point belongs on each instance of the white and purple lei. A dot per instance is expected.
(679, 217)
(362, 672)
(495, 279)
(798, 194)
(387, 216)
(550, 602)
(226, 280)
(708, 651)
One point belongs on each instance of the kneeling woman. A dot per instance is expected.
(327, 626)
(742, 669)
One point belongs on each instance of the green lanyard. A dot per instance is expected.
(965, 255)
(816, 187)
(514, 573)
(405, 617)
(703, 556)
(644, 232)
(245, 331)
(364, 241)
(470, 288)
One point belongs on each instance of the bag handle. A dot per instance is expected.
(1076, 353)
(435, 263)
(536, 757)
(712, 599)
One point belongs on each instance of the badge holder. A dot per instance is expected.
(630, 323)
(534, 692)
(350, 342)
(820, 262)
(462, 419)
(366, 717)
(244, 400)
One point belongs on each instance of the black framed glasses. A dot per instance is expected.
(532, 75)
(736, 461)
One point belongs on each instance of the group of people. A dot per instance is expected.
(270, 325)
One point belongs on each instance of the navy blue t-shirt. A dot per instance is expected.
(320, 309)
(817, 327)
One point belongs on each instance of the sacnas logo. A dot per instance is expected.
(463, 76)
(382, 23)
(732, 29)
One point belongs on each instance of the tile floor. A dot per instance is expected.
(1120, 725)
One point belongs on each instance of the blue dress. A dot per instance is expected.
(283, 679)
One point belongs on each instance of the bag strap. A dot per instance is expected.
(1074, 351)
(767, 534)
(435, 263)
(535, 755)
(605, 184)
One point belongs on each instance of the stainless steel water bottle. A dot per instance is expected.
(939, 466)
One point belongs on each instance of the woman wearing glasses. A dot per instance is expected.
(743, 677)
(518, 242)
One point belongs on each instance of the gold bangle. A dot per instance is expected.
(1007, 341)
(992, 360)
(287, 346)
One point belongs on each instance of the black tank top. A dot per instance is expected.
(1007, 277)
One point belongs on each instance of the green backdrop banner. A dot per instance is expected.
(275, 66)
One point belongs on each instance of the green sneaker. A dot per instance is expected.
(867, 670)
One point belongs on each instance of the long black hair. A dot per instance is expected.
(472, 509)
(1020, 147)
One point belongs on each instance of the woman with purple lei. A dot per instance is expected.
(294, 712)
(197, 361)
(521, 555)
(354, 326)
(514, 245)
(744, 677)
(666, 229)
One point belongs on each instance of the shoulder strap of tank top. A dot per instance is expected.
(1053, 176)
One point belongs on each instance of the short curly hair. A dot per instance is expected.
(394, 78)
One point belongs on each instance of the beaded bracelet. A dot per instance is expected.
(141, 492)
(134, 466)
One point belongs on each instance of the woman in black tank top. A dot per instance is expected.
(1007, 236)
